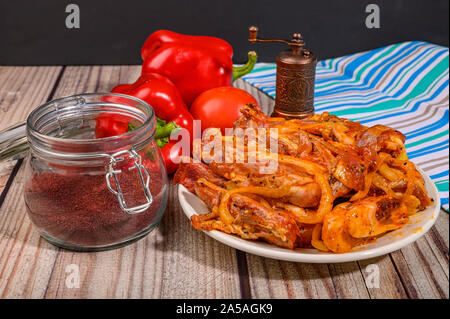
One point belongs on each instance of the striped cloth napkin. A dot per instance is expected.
(405, 86)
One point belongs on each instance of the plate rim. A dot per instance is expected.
(278, 253)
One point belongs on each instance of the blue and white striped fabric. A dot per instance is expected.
(405, 86)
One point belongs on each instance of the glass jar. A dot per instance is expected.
(87, 193)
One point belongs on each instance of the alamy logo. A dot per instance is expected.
(373, 19)
(73, 19)
(373, 276)
(73, 277)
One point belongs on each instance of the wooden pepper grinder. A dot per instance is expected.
(296, 72)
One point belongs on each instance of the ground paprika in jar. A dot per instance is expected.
(88, 193)
(79, 208)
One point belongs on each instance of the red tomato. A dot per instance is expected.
(219, 107)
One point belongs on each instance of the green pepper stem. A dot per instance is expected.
(164, 131)
(247, 67)
(161, 142)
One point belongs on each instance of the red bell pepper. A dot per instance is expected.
(158, 91)
(162, 95)
(111, 125)
(193, 63)
(161, 37)
(170, 155)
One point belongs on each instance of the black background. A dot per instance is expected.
(112, 32)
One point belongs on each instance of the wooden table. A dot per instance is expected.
(175, 260)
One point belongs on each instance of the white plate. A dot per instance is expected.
(418, 225)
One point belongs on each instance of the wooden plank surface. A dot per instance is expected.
(23, 257)
(21, 90)
(176, 261)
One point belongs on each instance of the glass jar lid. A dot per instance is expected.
(63, 131)
(65, 128)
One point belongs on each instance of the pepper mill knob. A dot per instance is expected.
(253, 33)
(297, 37)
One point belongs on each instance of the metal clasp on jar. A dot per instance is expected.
(145, 184)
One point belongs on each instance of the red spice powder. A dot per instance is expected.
(78, 208)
